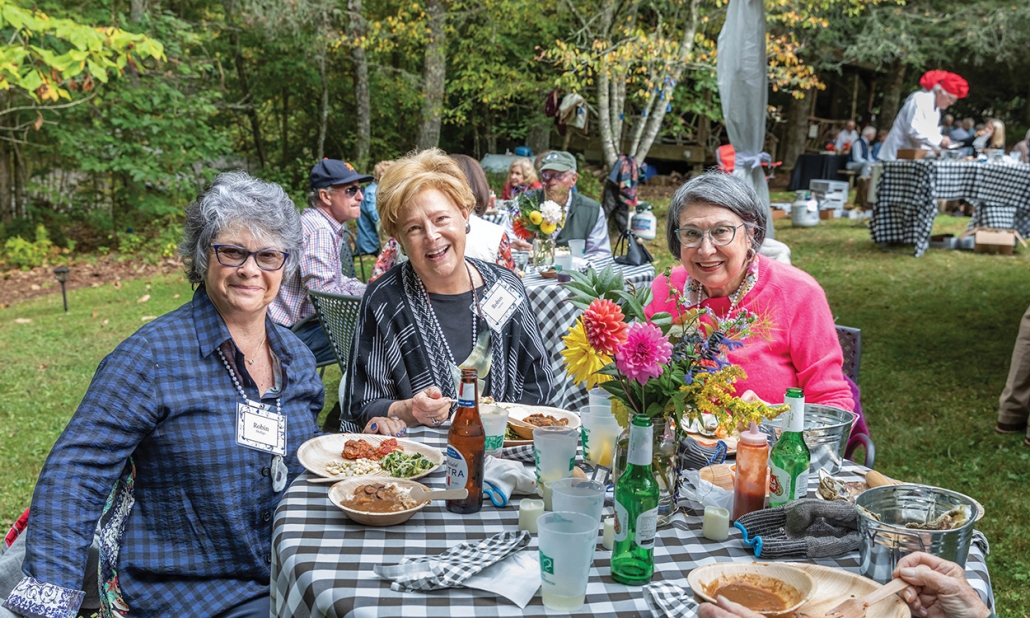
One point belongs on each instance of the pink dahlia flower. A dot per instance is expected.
(604, 325)
(644, 352)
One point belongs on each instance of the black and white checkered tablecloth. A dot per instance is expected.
(906, 198)
(322, 562)
(555, 315)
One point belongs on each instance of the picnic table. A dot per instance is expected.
(322, 562)
(555, 315)
(907, 194)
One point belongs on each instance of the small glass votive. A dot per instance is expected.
(529, 511)
(608, 539)
(716, 525)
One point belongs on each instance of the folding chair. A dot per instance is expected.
(338, 315)
(851, 345)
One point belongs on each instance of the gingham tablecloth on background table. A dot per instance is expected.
(555, 315)
(907, 194)
(322, 562)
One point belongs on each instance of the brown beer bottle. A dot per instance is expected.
(466, 443)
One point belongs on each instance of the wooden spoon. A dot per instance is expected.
(522, 428)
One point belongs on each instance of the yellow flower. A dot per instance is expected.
(535, 217)
(581, 360)
(547, 227)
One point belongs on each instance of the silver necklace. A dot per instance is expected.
(250, 361)
(475, 318)
(232, 374)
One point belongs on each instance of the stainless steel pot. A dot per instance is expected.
(886, 541)
(827, 430)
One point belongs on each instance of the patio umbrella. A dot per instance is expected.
(743, 87)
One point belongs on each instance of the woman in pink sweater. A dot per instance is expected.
(716, 226)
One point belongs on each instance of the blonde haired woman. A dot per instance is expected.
(521, 178)
(426, 317)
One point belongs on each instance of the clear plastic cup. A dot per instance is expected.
(495, 422)
(567, 544)
(578, 247)
(599, 431)
(563, 259)
(579, 496)
(598, 397)
(554, 451)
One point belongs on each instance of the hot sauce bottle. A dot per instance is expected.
(751, 480)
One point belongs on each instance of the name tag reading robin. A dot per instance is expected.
(260, 427)
(499, 304)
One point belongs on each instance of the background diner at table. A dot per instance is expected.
(426, 317)
(195, 421)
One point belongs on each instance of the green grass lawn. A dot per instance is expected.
(937, 333)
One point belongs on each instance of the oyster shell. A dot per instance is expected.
(955, 518)
(831, 489)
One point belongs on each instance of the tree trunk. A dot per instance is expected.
(892, 94)
(854, 98)
(795, 133)
(434, 76)
(323, 104)
(361, 95)
(285, 124)
(538, 136)
(19, 183)
(654, 121)
(1027, 114)
(137, 8)
(6, 210)
(491, 132)
(241, 71)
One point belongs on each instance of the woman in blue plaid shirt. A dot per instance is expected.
(195, 420)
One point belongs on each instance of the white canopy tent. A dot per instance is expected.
(743, 87)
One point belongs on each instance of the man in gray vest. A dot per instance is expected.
(584, 218)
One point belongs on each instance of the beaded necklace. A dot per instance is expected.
(750, 279)
(475, 318)
(232, 374)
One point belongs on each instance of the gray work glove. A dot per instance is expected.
(809, 527)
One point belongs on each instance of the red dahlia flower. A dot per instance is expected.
(606, 330)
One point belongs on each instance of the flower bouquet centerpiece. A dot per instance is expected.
(673, 371)
(537, 222)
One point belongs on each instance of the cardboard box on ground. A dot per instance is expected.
(990, 240)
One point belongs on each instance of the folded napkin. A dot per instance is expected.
(503, 478)
(519, 453)
(451, 568)
(809, 527)
(670, 600)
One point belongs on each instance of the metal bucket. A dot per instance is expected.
(827, 430)
(885, 542)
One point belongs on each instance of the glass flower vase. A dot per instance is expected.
(543, 253)
(665, 465)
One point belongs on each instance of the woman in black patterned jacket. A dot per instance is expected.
(440, 310)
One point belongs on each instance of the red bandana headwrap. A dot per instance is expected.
(953, 84)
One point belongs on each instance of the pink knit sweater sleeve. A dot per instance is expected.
(814, 347)
(661, 299)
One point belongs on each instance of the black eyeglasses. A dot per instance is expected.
(352, 190)
(266, 259)
(720, 235)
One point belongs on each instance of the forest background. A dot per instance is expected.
(113, 113)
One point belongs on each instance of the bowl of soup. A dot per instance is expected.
(376, 500)
(767, 589)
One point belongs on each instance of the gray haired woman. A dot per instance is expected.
(195, 421)
(715, 226)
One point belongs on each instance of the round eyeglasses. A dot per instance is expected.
(266, 259)
(720, 235)
(549, 176)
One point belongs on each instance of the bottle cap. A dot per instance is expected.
(753, 437)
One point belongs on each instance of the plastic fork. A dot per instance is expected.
(856, 608)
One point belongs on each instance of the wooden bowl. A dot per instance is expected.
(795, 586)
(525, 430)
(344, 490)
(317, 453)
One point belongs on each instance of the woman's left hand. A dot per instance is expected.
(392, 426)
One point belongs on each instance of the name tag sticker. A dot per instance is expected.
(499, 304)
(260, 427)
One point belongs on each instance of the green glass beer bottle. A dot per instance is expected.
(636, 509)
(790, 459)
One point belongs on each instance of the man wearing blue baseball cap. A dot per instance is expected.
(327, 264)
(584, 218)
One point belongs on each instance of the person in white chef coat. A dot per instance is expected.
(917, 125)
